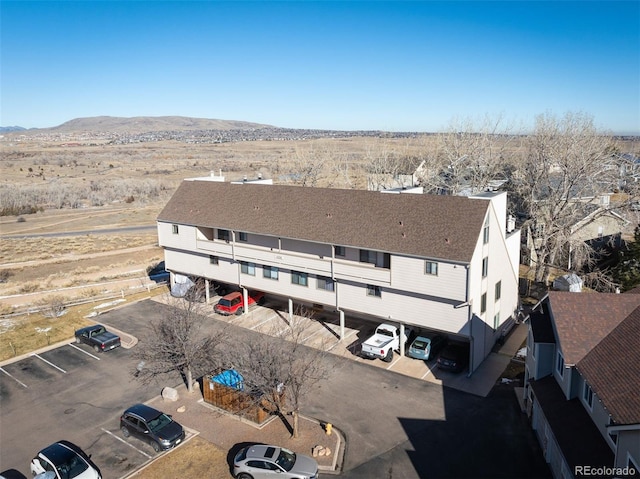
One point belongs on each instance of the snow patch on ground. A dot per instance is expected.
(110, 303)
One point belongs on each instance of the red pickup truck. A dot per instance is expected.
(233, 303)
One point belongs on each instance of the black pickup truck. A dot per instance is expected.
(98, 337)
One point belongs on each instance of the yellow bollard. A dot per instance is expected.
(328, 428)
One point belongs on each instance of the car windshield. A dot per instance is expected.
(419, 344)
(224, 302)
(72, 466)
(100, 330)
(286, 459)
(158, 423)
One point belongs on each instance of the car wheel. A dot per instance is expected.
(125, 431)
(155, 446)
(389, 357)
(261, 301)
(96, 348)
(242, 475)
(239, 311)
(77, 340)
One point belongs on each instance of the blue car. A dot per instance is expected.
(426, 346)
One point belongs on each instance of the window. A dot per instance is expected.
(587, 395)
(325, 283)
(496, 320)
(483, 303)
(373, 290)
(299, 278)
(485, 232)
(223, 235)
(248, 268)
(431, 267)
(485, 267)
(270, 272)
(339, 251)
(498, 290)
(560, 364)
(242, 236)
(367, 256)
(174, 229)
(213, 259)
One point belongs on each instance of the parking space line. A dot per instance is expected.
(49, 363)
(394, 362)
(83, 351)
(270, 318)
(427, 373)
(125, 442)
(14, 378)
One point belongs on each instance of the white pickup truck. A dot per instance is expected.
(385, 340)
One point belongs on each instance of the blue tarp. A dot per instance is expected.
(230, 378)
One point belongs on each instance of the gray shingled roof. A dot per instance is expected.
(431, 226)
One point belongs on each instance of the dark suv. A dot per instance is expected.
(152, 426)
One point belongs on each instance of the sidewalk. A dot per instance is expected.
(226, 431)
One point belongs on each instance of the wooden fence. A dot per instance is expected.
(235, 401)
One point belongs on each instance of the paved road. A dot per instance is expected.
(95, 231)
(396, 426)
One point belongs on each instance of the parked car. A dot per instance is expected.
(152, 426)
(262, 461)
(426, 346)
(233, 303)
(66, 461)
(98, 337)
(384, 341)
(454, 357)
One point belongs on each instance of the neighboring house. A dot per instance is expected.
(582, 382)
(443, 263)
(601, 227)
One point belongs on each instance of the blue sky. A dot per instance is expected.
(397, 66)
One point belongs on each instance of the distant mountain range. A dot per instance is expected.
(142, 129)
(9, 129)
(139, 124)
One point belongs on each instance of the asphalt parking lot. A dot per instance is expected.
(395, 425)
(70, 392)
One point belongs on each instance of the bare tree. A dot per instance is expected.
(283, 371)
(469, 155)
(562, 176)
(176, 342)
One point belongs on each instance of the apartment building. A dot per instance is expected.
(443, 263)
(582, 383)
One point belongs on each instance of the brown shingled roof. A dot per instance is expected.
(439, 227)
(584, 319)
(612, 369)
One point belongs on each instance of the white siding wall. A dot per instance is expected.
(401, 307)
(408, 273)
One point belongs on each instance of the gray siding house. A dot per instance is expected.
(442, 263)
(582, 383)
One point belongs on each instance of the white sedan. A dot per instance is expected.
(66, 461)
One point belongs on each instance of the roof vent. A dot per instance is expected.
(446, 240)
(329, 215)
(256, 207)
